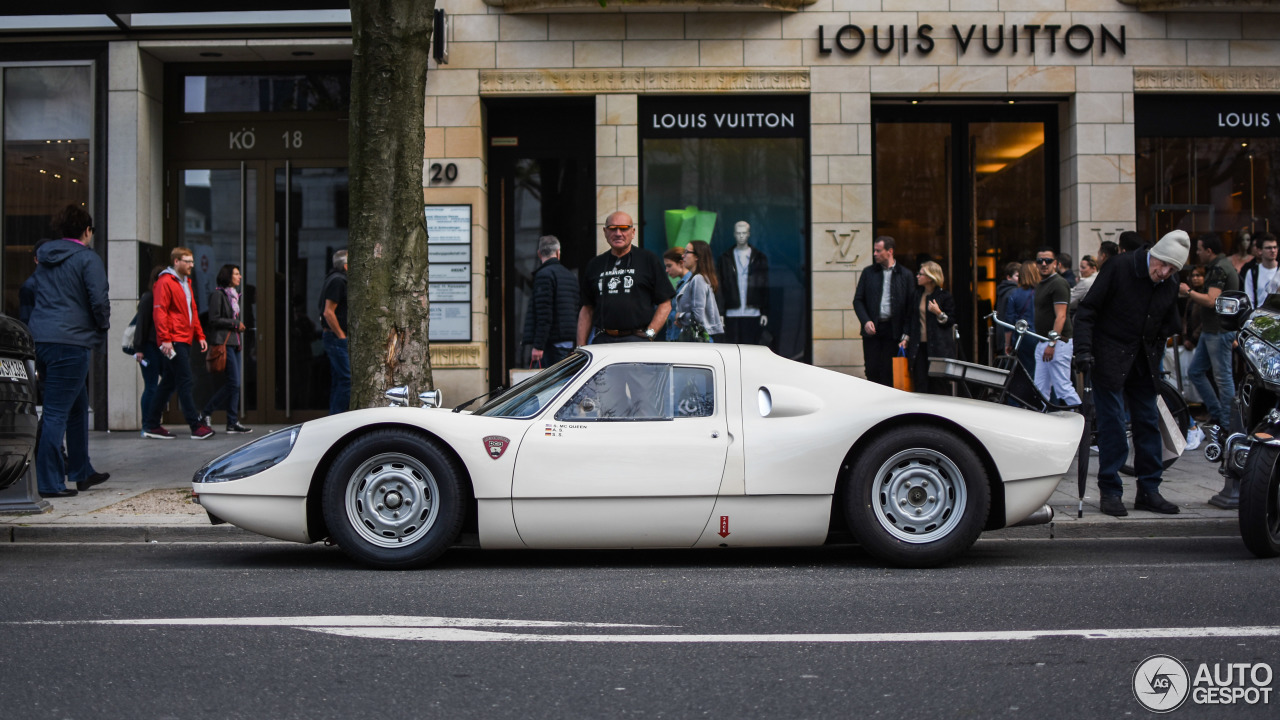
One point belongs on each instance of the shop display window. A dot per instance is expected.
(48, 113)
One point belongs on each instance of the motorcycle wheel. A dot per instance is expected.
(1260, 505)
(1181, 413)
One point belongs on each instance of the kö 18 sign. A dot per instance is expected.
(993, 40)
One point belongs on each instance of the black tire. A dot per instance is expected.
(900, 469)
(1180, 412)
(1260, 506)
(393, 499)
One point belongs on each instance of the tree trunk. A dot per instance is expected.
(387, 290)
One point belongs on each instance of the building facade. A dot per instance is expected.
(971, 131)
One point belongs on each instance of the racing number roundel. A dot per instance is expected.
(495, 445)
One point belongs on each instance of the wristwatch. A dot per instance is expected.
(942, 318)
(649, 333)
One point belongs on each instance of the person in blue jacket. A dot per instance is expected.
(70, 318)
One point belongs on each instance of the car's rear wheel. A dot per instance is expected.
(393, 499)
(917, 497)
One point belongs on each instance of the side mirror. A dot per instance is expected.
(431, 398)
(1233, 308)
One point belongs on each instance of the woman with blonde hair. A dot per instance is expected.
(695, 304)
(929, 332)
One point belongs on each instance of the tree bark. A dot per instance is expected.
(388, 308)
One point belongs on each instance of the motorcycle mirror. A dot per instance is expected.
(1232, 307)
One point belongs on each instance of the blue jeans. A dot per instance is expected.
(66, 414)
(1113, 445)
(339, 373)
(1213, 354)
(175, 373)
(229, 394)
(150, 376)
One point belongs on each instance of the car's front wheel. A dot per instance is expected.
(917, 497)
(393, 499)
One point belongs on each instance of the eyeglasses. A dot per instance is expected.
(1045, 261)
(617, 228)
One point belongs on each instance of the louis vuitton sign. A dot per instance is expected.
(992, 40)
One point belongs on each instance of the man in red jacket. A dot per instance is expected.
(177, 327)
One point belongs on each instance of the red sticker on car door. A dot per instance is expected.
(496, 445)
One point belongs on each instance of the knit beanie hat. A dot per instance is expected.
(1173, 249)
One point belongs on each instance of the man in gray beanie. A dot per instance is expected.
(1123, 323)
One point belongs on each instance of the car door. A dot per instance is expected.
(632, 458)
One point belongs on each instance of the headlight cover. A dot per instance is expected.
(1263, 356)
(249, 459)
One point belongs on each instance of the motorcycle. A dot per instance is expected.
(1251, 447)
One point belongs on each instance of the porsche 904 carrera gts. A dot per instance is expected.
(653, 445)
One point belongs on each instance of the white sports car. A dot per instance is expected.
(653, 445)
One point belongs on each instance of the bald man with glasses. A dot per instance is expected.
(626, 296)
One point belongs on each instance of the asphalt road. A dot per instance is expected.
(281, 631)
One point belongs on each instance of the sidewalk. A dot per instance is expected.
(148, 499)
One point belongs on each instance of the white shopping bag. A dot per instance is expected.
(1171, 437)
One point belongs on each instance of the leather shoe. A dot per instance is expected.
(61, 493)
(94, 479)
(1113, 505)
(1155, 503)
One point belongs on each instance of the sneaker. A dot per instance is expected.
(1112, 505)
(205, 419)
(238, 429)
(157, 433)
(204, 432)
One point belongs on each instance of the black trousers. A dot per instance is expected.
(742, 330)
(877, 352)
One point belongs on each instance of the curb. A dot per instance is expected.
(1137, 529)
(127, 534)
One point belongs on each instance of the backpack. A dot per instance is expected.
(126, 338)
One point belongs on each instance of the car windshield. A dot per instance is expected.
(530, 396)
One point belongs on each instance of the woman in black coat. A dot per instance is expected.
(227, 328)
(929, 331)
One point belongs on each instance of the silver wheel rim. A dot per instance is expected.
(919, 496)
(392, 500)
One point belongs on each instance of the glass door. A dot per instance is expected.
(971, 188)
(309, 211)
(218, 220)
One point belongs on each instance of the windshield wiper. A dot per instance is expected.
(464, 405)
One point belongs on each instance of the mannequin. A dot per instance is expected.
(744, 276)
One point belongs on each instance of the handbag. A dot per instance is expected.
(902, 371)
(216, 360)
(693, 331)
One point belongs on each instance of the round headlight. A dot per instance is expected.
(249, 459)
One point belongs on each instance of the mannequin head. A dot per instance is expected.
(741, 233)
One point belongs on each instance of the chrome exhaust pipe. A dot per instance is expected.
(1043, 516)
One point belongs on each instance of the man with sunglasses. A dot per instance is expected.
(625, 293)
(1053, 358)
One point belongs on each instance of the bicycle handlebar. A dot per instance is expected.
(1021, 328)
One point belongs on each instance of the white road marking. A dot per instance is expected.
(447, 629)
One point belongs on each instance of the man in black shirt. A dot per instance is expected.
(626, 296)
(333, 315)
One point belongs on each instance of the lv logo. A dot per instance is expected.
(843, 243)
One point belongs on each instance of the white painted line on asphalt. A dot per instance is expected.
(446, 629)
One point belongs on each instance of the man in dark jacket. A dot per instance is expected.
(70, 318)
(1123, 322)
(883, 304)
(551, 322)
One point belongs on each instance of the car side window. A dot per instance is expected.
(642, 391)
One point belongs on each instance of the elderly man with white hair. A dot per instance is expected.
(1123, 324)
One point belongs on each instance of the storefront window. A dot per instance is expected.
(47, 112)
(745, 160)
(1205, 164)
(301, 92)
